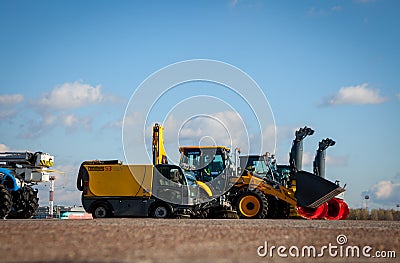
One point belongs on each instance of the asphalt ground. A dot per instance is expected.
(195, 240)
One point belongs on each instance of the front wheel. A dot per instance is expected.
(5, 202)
(25, 203)
(160, 210)
(101, 211)
(252, 204)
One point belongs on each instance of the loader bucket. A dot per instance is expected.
(312, 190)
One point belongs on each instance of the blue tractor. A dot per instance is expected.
(19, 171)
(17, 200)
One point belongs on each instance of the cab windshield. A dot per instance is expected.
(257, 165)
(206, 164)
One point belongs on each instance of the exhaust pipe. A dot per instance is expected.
(296, 152)
(319, 160)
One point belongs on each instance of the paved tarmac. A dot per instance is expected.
(195, 240)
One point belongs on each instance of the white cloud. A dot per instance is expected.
(71, 95)
(4, 114)
(359, 94)
(12, 99)
(269, 133)
(59, 104)
(8, 104)
(4, 148)
(131, 120)
(71, 121)
(398, 96)
(269, 139)
(48, 121)
(386, 192)
(308, 158)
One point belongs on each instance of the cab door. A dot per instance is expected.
(170, 184)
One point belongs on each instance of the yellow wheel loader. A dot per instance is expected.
(258, 188)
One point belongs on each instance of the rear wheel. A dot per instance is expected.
(101, 210)
(252, 204)
(5, 201)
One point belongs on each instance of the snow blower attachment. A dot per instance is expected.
(319, 161)
(296, 153)
(317, 197)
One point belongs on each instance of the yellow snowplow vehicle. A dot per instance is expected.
(110, 188)
(161, 190)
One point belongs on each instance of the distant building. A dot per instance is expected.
(43, 211)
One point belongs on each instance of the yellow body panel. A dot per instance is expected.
(120, 180)
(253, 182)
(158, 145)
(47, 163)
(205, 188)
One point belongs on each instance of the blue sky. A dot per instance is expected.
(68, 69)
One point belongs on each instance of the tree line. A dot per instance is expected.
(374, 214)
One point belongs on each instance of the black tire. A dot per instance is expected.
(5, 202)
(25, 203)
(101, 210)
(283, 209)
(160, 210)
(252, 204)
(273, 207)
